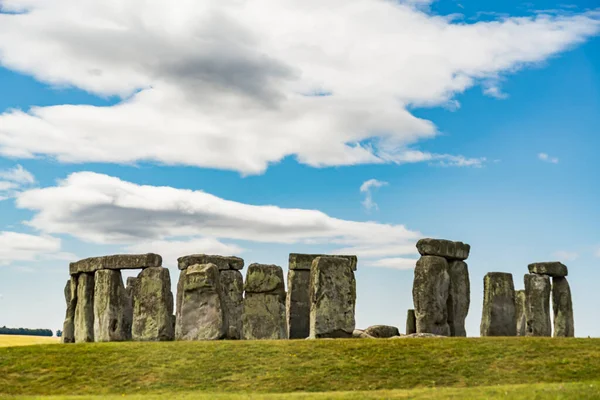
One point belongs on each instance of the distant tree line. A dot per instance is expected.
(25, 331)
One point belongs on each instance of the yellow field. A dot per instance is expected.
(17, 340)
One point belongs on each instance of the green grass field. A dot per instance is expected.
(454, 368)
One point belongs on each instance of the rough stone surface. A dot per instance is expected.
(263, 316)
(304, 261)
(360, 334)
(520, 311)
(222, 262)
(443, 248)
(179, 293)
(552, 268)
(232, 294)
(411, 322)
(459, 297)
(201, 315)
(430, 295)
(562, 305)
(297, 304)
(68, 333)
(84, 311)
(382, 331)
(418, 335)
(332, 298)
(117, 261)
(112, 307)
(537, 305)
(498, 315)
(262, 278)
(153, 306)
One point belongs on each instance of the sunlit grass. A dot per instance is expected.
(18, 340)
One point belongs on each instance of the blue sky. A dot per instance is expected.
(495, 93)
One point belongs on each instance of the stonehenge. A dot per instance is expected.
(520, 310)
(411, 322)
(113, 312)
(68, 335)
(537, 305)
(498, 315)
(562, 306)
(153, 306)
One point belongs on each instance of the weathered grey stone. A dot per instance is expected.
(443, 248)
(562, 305)
(520, 311)
(297, 304)
(221, 262)
(430, 295)
(232, 295)
(201, 316)
(382, 331)
(498, 315)
(117, 261)
(84, 310)
(332, 298)
(153, 306)
(418, 335)
(179, 293)
(411, 322)
(552, 268)
(459, 297)
(537, 305)
(360, 334)
(262, 278)
(263, 316)
(304, 261)
(112, 307)
(68, 333)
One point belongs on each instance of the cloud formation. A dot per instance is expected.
(11, 180)
(365, 188)
(546, 158)
(232, 84)
(15, 247)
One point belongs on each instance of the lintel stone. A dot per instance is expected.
(443, 248)
(222, 262)
(304, 261)
(117, 261)
(554, 269)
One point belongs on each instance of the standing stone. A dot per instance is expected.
(112, 305)
(232, 295)
(562, 305)
(537, 301)
(498, 316)
(84, 311)
(297, 304)
(131, 284)
(520, 310)
(264, 303)
(68, 333)
(332, 298)
(201, 315)
(459, 297)
(411, 322)
(153, 306)
(179, 294)
(430, 295)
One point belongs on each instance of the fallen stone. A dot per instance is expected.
(262, 278)
(112, 307)
(232, 295)
(562, 304)
(537, 305)
(118, 261)
(68, 333)
(201, 316)
(554, 269)
(498, 315)
(459, 297)
(430, 295)
(418, 335)
(297, 303)
(443, 248)
(332, 297)
(153, 306)
(304, 261)
(222, 262)
(84, 310)
(360, 334)
(382, 331)
(411, 322)
(520, 311)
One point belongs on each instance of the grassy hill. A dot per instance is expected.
(402, 368)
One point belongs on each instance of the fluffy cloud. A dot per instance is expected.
(106, 210)
(546, 158)
(16, 246)
(366, 189)
(394, 263)
(11, 180)
(241, 84)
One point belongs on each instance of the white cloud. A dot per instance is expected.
(223, 84)
(11, 180)
(102, 209)
(366, 188)
(565, 255)
(394, 263)
(15, 246)
(545, 157)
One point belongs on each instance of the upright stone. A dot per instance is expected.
(430, 295)
(562, 305)
(411, 322)
(131, 284)
(332, 298)
(153, 306)
(84, 311)
(264, 303)
(201, 315)
(537, 305)
(68, 334)
(459, 297)
(498, 316)
(520, 310)
(112, 307)
(232, 294)
(297, 304)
